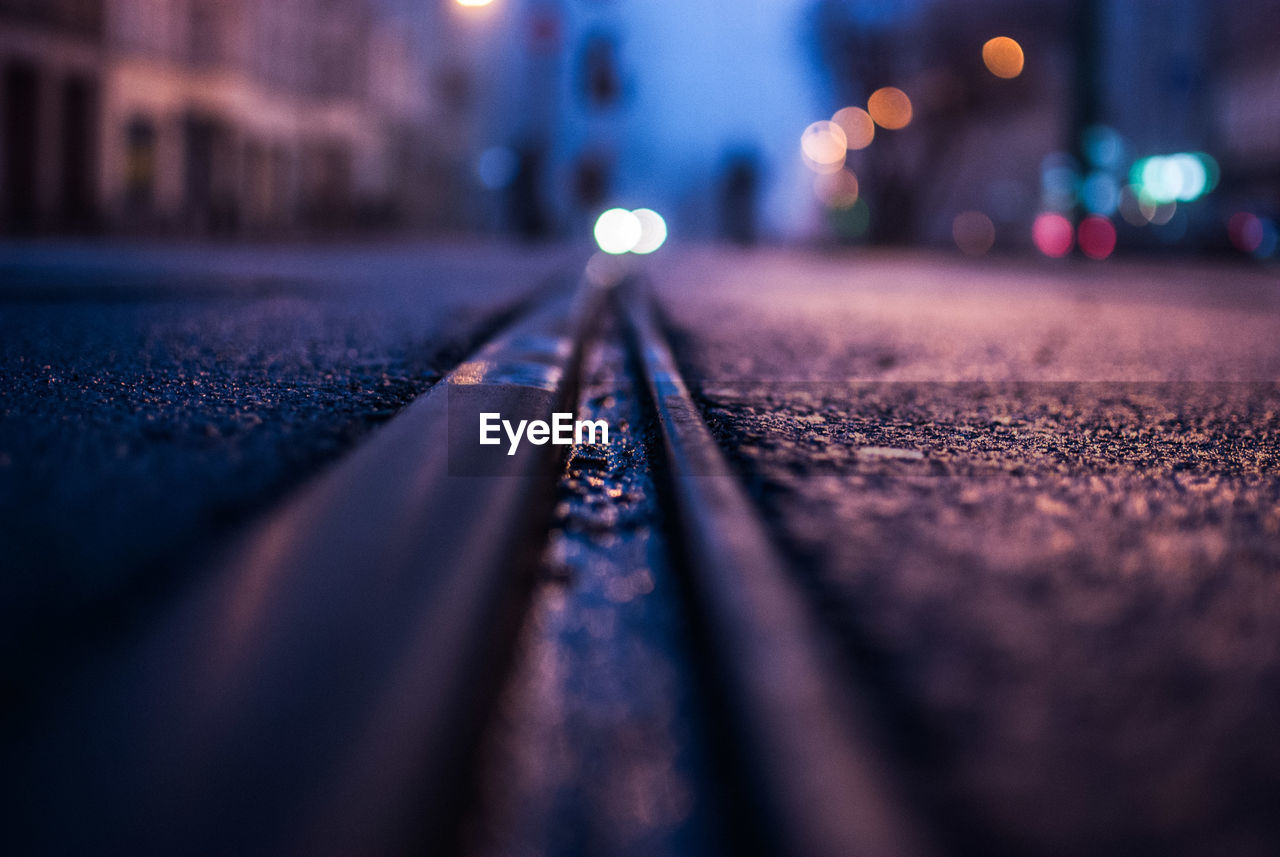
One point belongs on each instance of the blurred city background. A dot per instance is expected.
(1086, 127)
(1026, 508)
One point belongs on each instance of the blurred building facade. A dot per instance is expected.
(1107, 86)
(235, 117)
(1247, 99)
(51, 56)
(276, 117)
(974, 142)
(678, 107)
(698, 109)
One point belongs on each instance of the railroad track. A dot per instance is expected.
(337, 681)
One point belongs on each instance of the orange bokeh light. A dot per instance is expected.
(890, 108)
(859, 128)
(1003, 57)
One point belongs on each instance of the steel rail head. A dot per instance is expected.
(815, 769)
(319, 692)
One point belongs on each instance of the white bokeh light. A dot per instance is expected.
(617, 231)
(653, 231)
(824, 145)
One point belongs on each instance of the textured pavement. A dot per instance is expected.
(1041, 504)
(153, 399)
(1038, 504)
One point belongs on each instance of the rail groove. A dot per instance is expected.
(322, 689)
(318, 692)
(809, 750)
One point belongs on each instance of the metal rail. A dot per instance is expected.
(809, 753)
(319, 693)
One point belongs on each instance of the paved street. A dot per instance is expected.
(1036, 505)
(155, 399)
(535, 428)
(1043, 504)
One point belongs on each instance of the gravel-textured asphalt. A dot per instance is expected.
(1041, 506)
(153, 398)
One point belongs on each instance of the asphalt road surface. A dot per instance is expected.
(155, 398)
(1042, 504)
(1038, 504)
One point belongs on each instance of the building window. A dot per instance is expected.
(140, 165)
(601, 80)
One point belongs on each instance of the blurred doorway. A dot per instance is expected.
(210, 200)
(21, 147)
(79, 148)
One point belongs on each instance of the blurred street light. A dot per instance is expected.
(1097, 237)
(890, 108)
(653, 231)
(618, 231)
(859, 129)
(1183, 177)
(973, 232)
(1003, 57)
(837, 190)
(1053, 234)
(1255, 235)
(824, 145)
